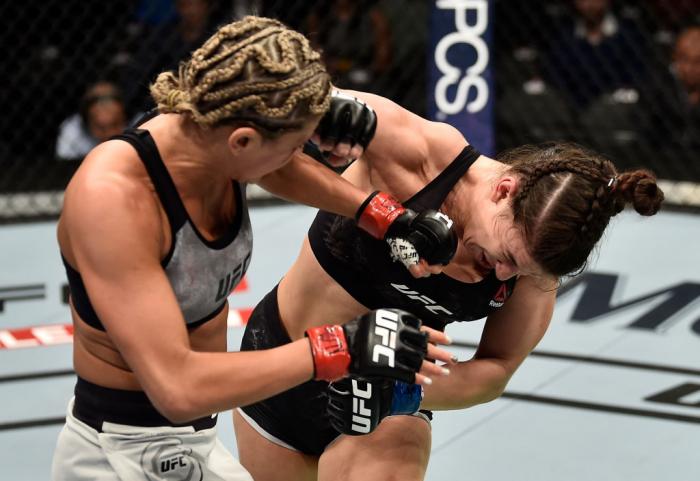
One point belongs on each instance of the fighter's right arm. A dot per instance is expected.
(114, 229)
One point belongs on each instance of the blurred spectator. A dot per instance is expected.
(355, 40)
(528, 109)
(668, 15)
(102, 114)
(293, 13)
(241, 8)
(674, 100)
(155, 12)
(161, 47)
(686, 65)
(405, 81)
(595, 52)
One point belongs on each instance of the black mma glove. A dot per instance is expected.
(348, 120)
(411, 236)
(384, 343)
(313, 151)
(357, 405)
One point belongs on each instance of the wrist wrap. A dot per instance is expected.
(377, 213)
(329, 349)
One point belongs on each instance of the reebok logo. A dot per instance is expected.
(500, 297)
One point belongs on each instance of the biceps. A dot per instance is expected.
(141, 316)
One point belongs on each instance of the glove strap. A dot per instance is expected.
(329, 348)
(377, 213)
(407, 398)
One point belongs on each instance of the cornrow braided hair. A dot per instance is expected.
(256, 71)
(565, 199)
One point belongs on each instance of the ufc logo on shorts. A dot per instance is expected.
(362, 415)
(427, 302)
(386, 326)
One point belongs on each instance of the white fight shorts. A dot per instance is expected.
(133, 453)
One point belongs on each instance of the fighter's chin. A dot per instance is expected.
(466, 274)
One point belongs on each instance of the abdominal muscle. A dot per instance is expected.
(308, 297)
(98, 360)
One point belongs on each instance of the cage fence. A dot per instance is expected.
(620, 76)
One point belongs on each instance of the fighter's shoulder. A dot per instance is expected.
(109, 182)
(408, 138)
(443, 143)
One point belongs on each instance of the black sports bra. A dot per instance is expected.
(362, 264)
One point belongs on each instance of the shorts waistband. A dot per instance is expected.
(95, 405)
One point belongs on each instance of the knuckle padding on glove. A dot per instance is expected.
(433, 239)
(411, 321)
(386, 343)
(410, 361)
(415, 338)
(348, 120)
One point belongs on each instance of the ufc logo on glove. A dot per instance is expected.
(362, 415)
(387, 325)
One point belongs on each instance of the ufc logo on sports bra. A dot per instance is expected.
(387, 324)
(232, 279)
(427, 302)
(362, 415)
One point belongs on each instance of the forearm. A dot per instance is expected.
(470, 383)
(209, 382)
(305, 181)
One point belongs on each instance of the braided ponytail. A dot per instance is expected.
(639, 188)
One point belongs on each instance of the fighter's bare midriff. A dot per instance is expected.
(98, 360)
(302, 287)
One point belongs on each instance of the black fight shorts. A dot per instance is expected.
(297, 416)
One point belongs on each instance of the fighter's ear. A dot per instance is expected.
(505, 188)
(242, 139)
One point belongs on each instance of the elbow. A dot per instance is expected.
(176, 411)
(499, 384)
(493, 390)
(174, 403)
(497, 391)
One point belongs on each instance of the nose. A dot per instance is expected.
(505, 271)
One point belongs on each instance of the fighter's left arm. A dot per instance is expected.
(344, 131)
(509, 335)
(306, 181)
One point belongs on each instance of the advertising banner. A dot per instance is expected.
(460, 75)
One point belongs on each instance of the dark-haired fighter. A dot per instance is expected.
(523, 221)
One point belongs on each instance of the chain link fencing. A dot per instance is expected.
(620, 76)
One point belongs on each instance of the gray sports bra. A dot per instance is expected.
(202, 273)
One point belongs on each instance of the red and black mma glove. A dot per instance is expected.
(383, 343)
(428, 235)
(357, 405)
